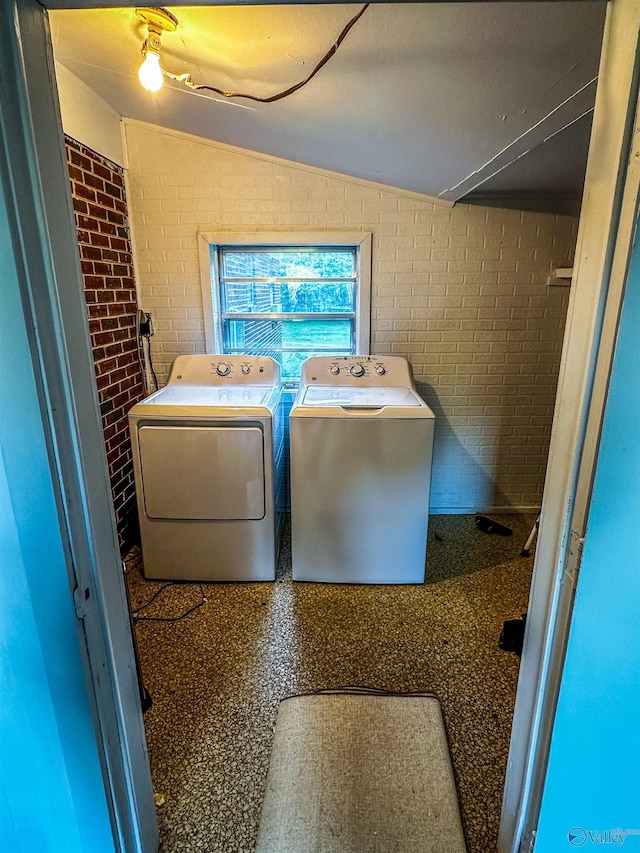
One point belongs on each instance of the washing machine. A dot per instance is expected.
(208, 465)
(361, 448)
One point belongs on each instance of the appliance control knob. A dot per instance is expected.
(381, 370)
(245, 369)
(357, 369)
(334, 369)
(223, 368)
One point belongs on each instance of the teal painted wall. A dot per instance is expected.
(52, 797)
(592, 790)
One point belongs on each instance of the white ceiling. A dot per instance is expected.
(438, 98)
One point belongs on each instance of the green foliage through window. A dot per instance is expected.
(289, 303)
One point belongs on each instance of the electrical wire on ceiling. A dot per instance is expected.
(331, 52)
(152, 51)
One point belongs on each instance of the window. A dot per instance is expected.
(289, 300)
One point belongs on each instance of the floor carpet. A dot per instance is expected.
(360, 772)
(217, 675)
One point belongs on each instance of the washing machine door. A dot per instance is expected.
(202, 472)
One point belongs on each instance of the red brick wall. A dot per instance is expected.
(99, 202)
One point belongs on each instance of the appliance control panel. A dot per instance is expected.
(224, 370)
(366, 370)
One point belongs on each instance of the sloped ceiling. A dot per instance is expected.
(439, 98)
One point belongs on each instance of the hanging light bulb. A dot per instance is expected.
(150, 73)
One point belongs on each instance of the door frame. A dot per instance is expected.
(43, 234)
(604, 244)
(53, 292)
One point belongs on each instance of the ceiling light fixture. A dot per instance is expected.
(151, 73)
(157, 21)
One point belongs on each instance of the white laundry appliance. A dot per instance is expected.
(208, 464)
(361, 446)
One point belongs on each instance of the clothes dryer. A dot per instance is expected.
(361, 447)
(208, 465)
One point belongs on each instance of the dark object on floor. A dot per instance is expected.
(512, 635)
(526, 551)
(488, 526)
(145, 697)
(145, 700)
(355, 769)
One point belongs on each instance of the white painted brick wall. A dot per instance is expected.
(461, 292)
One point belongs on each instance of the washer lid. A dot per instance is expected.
(346, 397)
(212, 395)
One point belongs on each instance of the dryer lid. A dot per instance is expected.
(322, 396)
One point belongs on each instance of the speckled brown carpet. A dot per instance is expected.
(217, 676)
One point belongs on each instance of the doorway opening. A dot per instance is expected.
(441, 536)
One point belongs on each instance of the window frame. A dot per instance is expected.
(209, 242)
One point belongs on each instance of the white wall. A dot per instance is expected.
(88, 118)
(462, 292)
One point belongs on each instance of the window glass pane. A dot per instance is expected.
(290, 342)
(263, 283)
(295, 263)
(332, 335)
(288, 297)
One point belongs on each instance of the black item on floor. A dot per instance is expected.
(145, 697)
(488, 526)
(512, 635)
(145, 700)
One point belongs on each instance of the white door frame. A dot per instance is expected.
(60, 338)
(43, 233)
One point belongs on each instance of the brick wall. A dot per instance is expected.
(101, 215)
(461, 292)
(249, 335)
